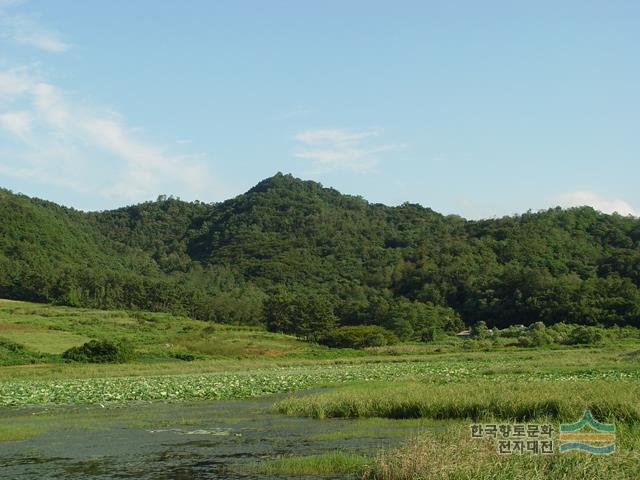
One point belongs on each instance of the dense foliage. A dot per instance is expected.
(308, 316)
(293, 246)
(98, 351)
(12, 353)
(359, 336)
(539, 335)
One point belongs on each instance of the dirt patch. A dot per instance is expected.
(16, 326)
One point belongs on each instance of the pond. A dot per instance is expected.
(186, 441)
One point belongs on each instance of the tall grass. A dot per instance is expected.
(473, 400)
(453, 455)
(334, 463)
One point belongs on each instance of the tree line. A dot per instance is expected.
(295, 247)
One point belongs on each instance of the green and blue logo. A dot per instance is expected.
(588, 435)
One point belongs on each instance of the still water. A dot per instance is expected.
(183, 441)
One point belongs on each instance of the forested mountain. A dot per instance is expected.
(406, 268)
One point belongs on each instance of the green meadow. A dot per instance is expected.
(423, 396)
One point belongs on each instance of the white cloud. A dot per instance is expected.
(333, 135)
(591, 199)
(25, 30)
(50, 102)
(340, 149)
(147, 164)
(41, 39)
(14, 82)
(48, 137)
(17, 123)
(89, 150)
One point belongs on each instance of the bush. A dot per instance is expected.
(585, 336)
(98, 351)
(10, 346)
(185, 357)
(430, 334)
(535, 339)
(474, 344)
(359, 337)
(375, 340)
(480, 331)
(512, 331)
(535, 336)
(12, 353)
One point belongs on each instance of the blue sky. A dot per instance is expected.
(476, 108)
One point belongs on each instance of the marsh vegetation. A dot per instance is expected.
(394, 411)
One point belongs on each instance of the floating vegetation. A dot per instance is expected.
(256, 382)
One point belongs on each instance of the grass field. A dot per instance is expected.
(447, 384)
(45, 329)
(480, 399)
(453, 454)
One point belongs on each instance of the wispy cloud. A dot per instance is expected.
(341, 149)
(59, 141)
(14, 81)
(148, 165)
(26, 30)
(591, 199)
(49, 137)
(333, 135)
(16, 123)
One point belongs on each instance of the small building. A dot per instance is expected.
(464, 334)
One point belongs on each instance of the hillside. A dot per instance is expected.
(36, 333)
(405, 267)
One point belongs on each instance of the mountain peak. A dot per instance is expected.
(284, 180)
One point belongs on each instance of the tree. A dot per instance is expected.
(407, 268)
(480, 331)
(359, 336)
(305, 315)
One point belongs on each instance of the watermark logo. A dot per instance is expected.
(588, 435)
(519, 439)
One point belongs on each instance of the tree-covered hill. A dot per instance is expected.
(45, 249)
(407, 268)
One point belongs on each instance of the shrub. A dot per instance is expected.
(10, 346)
(375, 340)
(535, 336)
(12, 353)
(512, 331)
(98, 351)
(185, 357)
(480, 331)
(359, 336)
(585, 336)
(430, 334)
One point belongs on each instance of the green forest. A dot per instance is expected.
(300, 258)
